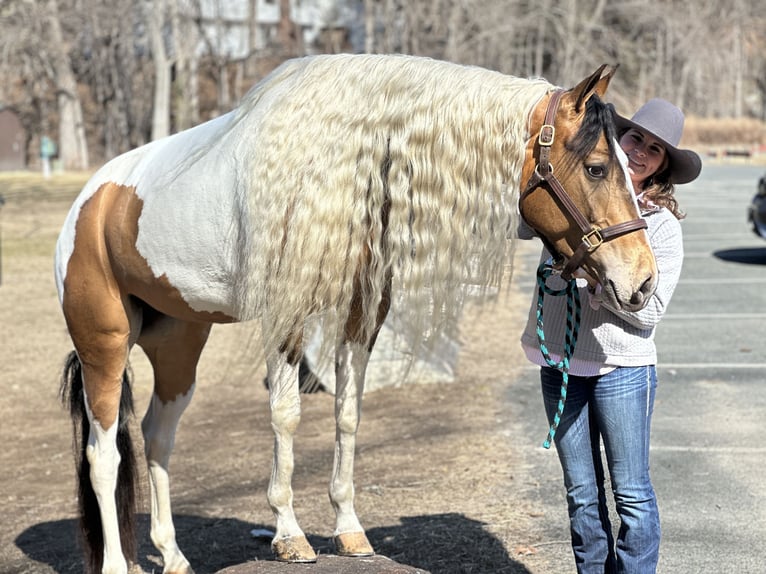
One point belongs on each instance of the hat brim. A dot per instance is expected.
(685, 165)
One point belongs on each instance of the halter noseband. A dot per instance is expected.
(593, 235)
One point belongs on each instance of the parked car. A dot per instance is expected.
(756, 211)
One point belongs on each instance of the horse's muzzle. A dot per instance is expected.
(629, 300)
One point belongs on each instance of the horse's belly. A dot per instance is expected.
(192, 291)
(192, 254)
(204, 294)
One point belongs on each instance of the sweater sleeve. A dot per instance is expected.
(524, 231)
(666, 239)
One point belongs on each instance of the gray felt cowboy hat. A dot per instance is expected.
(665, 122)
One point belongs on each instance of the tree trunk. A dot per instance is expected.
(251, 69)
(542, 26)
(162, 72)
(184, 91)
(369, 26)
(738, 63)
(73, 146)
(454, 26)
(287, 32)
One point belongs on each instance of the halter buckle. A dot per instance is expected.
(541, 175)
(593, 239)
(547, 133)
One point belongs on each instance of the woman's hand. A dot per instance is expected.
(581, 273)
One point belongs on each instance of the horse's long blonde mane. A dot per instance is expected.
(338, 141)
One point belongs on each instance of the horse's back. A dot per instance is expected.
(273, 205)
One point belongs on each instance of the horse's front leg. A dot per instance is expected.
(351, 365)
(290, 543)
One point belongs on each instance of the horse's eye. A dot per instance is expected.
(596, 171)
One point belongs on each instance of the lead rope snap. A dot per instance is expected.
(544, 271)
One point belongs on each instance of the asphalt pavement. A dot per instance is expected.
(708, 454)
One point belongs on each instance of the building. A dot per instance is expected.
(237, 28)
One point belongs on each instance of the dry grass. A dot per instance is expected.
(30, 185)
(742, 132)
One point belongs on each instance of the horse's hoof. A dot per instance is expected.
(295, 549)
(353, 544)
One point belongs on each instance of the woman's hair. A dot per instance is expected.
(658, 188)
(660, 191)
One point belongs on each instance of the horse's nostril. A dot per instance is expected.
(648, 286)
(643, 292)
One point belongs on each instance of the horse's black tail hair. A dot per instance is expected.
(90, 518)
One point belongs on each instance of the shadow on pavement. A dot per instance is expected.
(442, 543)
(749, 255)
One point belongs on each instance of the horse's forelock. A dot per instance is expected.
(598, 120)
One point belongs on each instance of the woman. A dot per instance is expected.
(612, 375)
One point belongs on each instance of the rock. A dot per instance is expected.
(326, 564)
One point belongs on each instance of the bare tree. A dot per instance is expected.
(115, 75)
(289, 34)
(156, 18)
(72, 67)
(185, 93)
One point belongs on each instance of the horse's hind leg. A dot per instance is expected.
(351, 364)
(290, 543)
(173, 348)
(100, 330)
(352, 357)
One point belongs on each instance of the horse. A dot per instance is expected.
(338, 183)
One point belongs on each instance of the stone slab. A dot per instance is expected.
(326, 564)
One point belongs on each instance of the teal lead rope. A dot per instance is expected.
(570, 339)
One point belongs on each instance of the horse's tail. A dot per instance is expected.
(73, 397)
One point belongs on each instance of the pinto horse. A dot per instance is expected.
(338, 182)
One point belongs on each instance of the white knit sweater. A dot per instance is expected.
(608, 337)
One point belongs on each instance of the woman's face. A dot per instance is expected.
(646, 155)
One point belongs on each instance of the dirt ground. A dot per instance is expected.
(440, 484)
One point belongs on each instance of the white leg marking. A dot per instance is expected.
(159, 428)
(285, 415)
(351, 365)
(104, 460)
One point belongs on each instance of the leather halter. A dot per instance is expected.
(593, 235)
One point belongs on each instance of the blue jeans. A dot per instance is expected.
(616, 408)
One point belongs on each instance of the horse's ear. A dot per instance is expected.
(596, 83)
